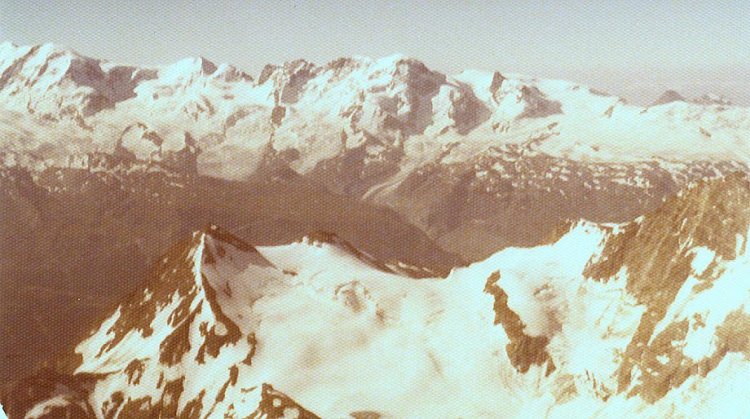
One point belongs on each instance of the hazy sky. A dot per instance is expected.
(635, 48)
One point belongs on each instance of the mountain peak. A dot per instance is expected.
(55, 47)
(219, 233)
(188, 281)
(49, 50)
(391, 60)
(398, 64)
(668, 97)
(229, 73)
(214, 242)
(342, 63)
(189, 67)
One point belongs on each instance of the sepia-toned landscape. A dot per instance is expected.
(367, 237)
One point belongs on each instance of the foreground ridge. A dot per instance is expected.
(648, 317)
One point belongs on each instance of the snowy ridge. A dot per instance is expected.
(645, 318)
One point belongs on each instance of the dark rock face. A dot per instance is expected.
(712, 215)
(668, 97)
(497, 82)
(523, 350)
(538, 105)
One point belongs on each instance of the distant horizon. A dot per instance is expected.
(645, 94)
(635, 50)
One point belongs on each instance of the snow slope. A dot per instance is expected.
(646, 318)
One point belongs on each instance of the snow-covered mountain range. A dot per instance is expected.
(457, 155)
(394, 102)
(648, 318)
(598, 249)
